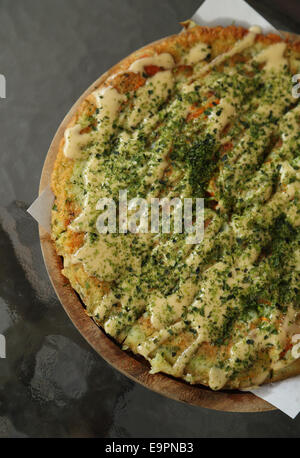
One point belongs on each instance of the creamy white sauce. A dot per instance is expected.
(158, 338)
(238, 47)
(112, 257)
(164, 60)
(185, 356)
(159, 305)
(296, 346)
(108, 101)
(216, 120)
(75, 142)
(217, 378)
(255, 29)
(149, 96)
(196, 54)
(273, 57)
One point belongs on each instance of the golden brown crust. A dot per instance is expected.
(67, 207)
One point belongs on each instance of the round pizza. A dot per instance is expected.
(209, 114)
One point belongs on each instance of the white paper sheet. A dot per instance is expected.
(228, 12)
(284, 395)
(40, 209)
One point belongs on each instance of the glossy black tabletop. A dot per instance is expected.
(51, 382)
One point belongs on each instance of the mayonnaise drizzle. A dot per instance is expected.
(296, 347)
(164, 60)
(238, 47)
(196, 54)
(149, 96)
(273, 57)
(108, 101)
(75, 141)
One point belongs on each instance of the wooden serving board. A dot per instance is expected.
(132, 366)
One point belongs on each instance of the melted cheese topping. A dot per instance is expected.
(223, 312)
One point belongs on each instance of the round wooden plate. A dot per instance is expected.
(132, 366)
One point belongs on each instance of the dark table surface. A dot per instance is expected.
(51, 382)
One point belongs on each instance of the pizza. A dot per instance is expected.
(209, 113)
